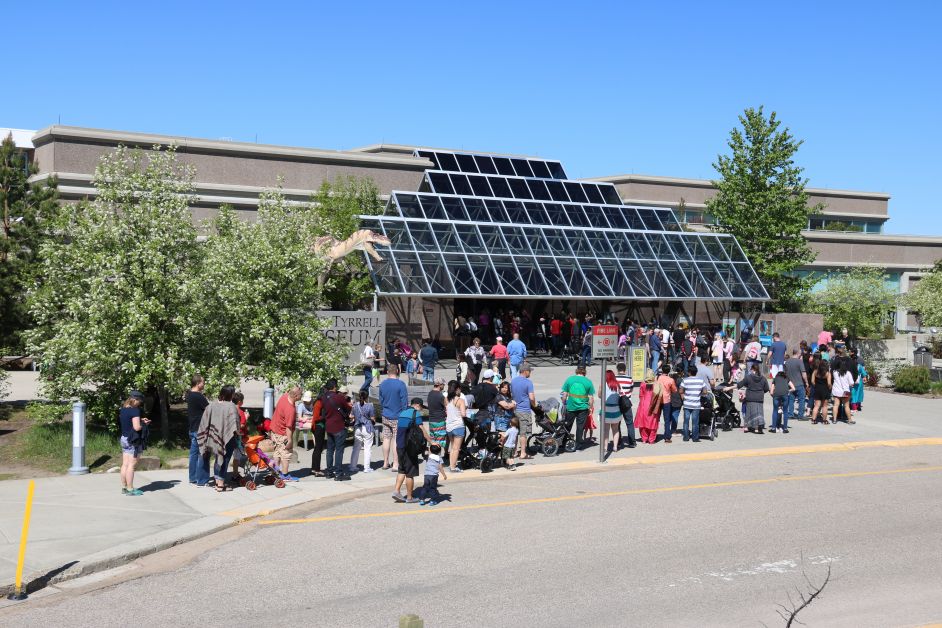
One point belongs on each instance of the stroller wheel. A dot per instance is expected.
(570, 446)
(486, 464)
(250, 485)
(550, 448)
(279, 483)
(242, 481)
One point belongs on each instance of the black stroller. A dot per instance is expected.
(554, 435)
(482, 448)
(727, 414)
(707, 418)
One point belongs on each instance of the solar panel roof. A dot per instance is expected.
(493, 226)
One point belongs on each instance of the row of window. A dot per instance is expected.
(819, 223)
(522, 188)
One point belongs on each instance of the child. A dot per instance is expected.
(781, 386)
(509, 443)
(412, 365)
(433, 468)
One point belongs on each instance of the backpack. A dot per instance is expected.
(472, 326)
(625, 405)
(415, 438)
(702, 341)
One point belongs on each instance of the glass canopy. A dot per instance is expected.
(492, 226)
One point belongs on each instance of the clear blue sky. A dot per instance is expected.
(608, 88)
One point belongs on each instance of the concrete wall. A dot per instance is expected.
(890, 252)
(793, 328)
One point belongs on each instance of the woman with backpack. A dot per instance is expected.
(611, 419)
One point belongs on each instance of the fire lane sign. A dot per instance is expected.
(604, 341)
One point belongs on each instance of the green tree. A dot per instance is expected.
(925, 297)
(112, 314)
(256, 296)
(337, 207)
(28, 211)
(858, 300)
(761, 200)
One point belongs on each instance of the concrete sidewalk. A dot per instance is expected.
(84, 524)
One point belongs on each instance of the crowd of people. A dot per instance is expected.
(821, 382)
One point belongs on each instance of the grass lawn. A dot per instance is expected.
(48, 446)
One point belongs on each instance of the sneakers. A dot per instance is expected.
(424, 501)
(784, 430)
(398, 498)
(412, 500)
(134, 492)
(454, 470)
(772, 430)
(370, 470)
(432, 502)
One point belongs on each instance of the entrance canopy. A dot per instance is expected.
(493, 226)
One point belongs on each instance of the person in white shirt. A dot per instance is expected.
(433, 469)
(509, 442)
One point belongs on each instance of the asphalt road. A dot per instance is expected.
(689, 544)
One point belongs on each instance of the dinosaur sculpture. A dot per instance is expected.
(334, 250)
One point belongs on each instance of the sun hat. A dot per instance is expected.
(307, 396)
(440, 381)
(487, 374)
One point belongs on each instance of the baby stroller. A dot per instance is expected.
(482, 448)
(259, 466)
(727, 414)
(556, 434)
(707, 418)
(572, 352)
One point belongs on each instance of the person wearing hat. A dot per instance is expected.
(499, 353)
(132, 440)
(408, 462)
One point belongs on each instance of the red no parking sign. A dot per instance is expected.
(604, 341)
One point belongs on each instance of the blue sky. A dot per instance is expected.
(608, 88)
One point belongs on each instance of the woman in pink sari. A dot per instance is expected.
(648, 415)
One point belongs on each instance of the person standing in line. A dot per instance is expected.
(367, 357)
(717, 352)
(408, 467)
(393, 399)
(777, 354)
(132, 442)
(556, 333)
(524, 396)
(238, 457)
(842, 380)
(499, 354)
(795, 371)
(219, 434)
(688, 352)
(611, 420)
(585, 358)
(753, 418)
(456, 409)
(692, 388)
(782, 388)
(508, 442)
(753, 355)
(428, 356)
(516, 354)
(196, 402)
(668, 389)
(435, 402)
(475, 355)
(824, 338)
(336, 410)
(578, 394)
(626, 386)
(282, 427)
(857, 392)
(654, 343)
(363, 421)
(647, 416)
(821, 384)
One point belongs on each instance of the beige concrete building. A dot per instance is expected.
(236, 173)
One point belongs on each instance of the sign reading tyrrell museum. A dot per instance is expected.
(356, 329)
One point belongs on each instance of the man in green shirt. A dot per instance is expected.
(579, 396)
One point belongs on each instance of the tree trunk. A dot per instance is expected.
(164, 415)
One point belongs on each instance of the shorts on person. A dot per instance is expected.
(129, 449)
(390, 427)
(408, 464)
(526, 424)
(507, 452)
(281, 443)
(458, 432)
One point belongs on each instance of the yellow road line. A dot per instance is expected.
(564, 498)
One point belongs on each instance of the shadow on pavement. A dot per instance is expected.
(159, 485)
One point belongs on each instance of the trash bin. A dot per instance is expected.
(922, 357)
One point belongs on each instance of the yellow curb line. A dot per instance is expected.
(563, 498)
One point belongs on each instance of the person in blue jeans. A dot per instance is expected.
(428, 356)
(196, 402)
(654, 343)
(691, 388)
(672, 410)
(798, 376)
(781, 389)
